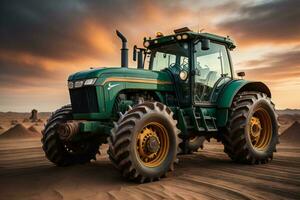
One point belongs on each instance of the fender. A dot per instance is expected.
(230, 91)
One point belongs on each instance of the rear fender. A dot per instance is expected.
(230, 91)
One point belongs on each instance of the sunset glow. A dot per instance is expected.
(42, 44)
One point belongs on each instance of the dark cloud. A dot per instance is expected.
(46, 29)
(40, 41)
(58, 29)
(16, 73)
(273, 21)
(275, 67)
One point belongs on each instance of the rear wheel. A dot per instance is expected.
(144, 143)
(252, 131)
(63, 153)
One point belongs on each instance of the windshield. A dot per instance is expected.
(169, 55)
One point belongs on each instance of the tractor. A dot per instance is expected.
(182, 91)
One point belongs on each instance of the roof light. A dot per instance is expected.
(185, 36)
(178, 37)
(159, 34)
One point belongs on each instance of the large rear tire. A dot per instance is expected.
(144, 142)
(63, 153)
(251, 135)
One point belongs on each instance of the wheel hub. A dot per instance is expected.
(260, 129)
(148, 144)
(255, 127)
(152, 144)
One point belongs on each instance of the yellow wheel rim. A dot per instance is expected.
(260, 129)
(152, 144)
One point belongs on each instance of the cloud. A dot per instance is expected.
(66, 29)
(269, 22)
(275, 68)
(43, 42)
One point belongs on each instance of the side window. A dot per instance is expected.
(210, 66)
(163, 60)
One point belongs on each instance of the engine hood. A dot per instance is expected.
(103, 74)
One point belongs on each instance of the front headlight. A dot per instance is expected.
(78, 84)
(90, 81)
(70, 85)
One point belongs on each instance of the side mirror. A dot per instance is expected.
(205, 44)
(140, 62)
(241, 74)
(134, 53)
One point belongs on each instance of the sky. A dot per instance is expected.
(42, 42)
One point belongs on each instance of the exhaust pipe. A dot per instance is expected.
(124, 50)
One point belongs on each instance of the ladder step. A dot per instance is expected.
(198, 129)
(212, 129)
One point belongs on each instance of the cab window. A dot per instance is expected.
(210, 66)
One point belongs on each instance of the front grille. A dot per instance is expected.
(84, 100)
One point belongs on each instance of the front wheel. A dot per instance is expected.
(251, 135)
(144, 143)
(64, 153)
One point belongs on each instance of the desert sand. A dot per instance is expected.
(25, 173)
(209, 174)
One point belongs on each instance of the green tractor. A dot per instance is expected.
(182, 91)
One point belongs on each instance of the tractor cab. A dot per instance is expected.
(198, 62)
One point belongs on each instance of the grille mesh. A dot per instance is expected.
(84, 100)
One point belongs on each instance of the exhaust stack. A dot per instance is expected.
(124, 50)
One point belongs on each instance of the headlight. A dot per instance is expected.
(146, 44)
(78, 84)
(183, 75)
(70, 85)
(185, 36)
(178, 37)
(90, 81)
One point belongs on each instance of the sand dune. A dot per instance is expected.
(33, 130)
(26, 174)
(19, 131)
(292, 134)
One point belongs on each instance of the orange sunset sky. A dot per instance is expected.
(41, 43)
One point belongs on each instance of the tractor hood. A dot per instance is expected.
(105, 74)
